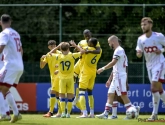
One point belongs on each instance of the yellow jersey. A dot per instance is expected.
(51, 61)
(83, 44)
(90, 61)
(66, 64)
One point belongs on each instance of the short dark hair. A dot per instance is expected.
(93, 41)
(65, 46)
(5, 18)
(86, 31)
(51, 42)
(148, 19)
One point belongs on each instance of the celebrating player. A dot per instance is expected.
(66, 62)
(54, 78)
(77, 69)
(118, 84)
(151, 44)
(12, 70)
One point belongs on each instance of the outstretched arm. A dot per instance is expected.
(97, 51)
(109, 65)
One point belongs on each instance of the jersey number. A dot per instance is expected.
(93, 60)
(18, 44)
(65, 64)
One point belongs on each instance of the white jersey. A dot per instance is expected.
(149, 45)
(119, 68)
(12, 50)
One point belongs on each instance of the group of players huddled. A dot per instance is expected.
(64, 73)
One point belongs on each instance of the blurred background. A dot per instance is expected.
(38, 21)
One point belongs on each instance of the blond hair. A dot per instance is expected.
(148, 19)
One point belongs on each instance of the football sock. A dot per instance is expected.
(91, 103)
(52, 102)
(128, 105)
(12, 103)
(69, 105)
(62, 105)
(7, 107)
(107, 108)
(82, 100)
(2, 105)
(155, 100)
(59, 107)
(114, 108)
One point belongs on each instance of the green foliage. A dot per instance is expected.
(37, 25)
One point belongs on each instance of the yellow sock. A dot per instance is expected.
(83, 102)
(59, 108)
(91, 102)
(52, 103)
(69, 107)
(78, 105)
(62, 104)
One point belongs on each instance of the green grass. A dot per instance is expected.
(33, 119)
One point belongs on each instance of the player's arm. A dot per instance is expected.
(56, 48)
(97, 51)
(109, 65)
(109, 80)
(139, 49)
(77, 47)
(42, 61)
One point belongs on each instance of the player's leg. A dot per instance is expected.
(83, 84)
(161, 89)
(52, 99)
(62, 91)
(114, 107)
(10, 99)
(155, 86)
(7, 109)
(109, 103)
(90, 95)
(70, 95)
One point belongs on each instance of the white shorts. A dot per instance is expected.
(156, 73)
(118, 85)
(9, 77)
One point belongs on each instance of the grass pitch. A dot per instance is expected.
(38, 119)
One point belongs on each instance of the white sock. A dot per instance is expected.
(155, 101)
(162, 96)
(114, 108)
(6, 106)
(107, 108)
(11, 102)
(2, 105)
(91, 111)
(128, 105)
(84, 112)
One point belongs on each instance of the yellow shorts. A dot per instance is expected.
(66, 86)
(87, 81)
(55, 84)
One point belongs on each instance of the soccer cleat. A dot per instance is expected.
(138, 110)
(67, 115)
(82, 116)
(113, 117)
(153, 117)
(63, 115)
(91, 116)
(16, 118)
(49, 114)
(102, 116)
(56, 116)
